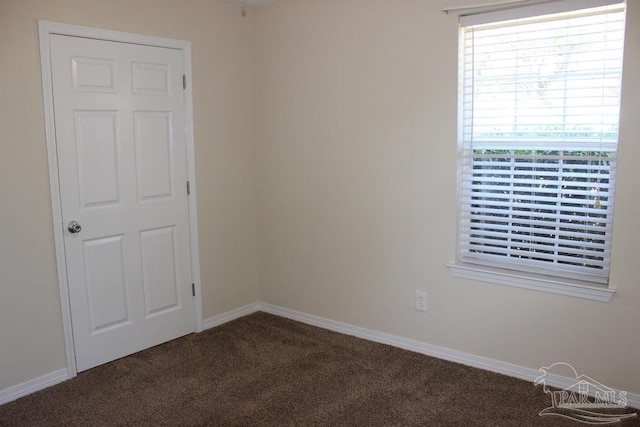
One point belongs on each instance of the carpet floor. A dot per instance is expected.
(264, 370)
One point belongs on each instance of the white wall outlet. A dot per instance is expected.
(421, 300)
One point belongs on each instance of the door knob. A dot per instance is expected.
(74, 227)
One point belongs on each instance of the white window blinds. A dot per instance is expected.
(540, 100)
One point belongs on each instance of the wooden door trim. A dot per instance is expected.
(45, 30)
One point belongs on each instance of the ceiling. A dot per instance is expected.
(251, 3)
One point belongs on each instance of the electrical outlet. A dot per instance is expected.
(421, 300)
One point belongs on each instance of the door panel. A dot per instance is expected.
(150, 79)
(97, 156)
(119, 120)
(93, 74)
(159, 270)
(106, 288)
(153, 153)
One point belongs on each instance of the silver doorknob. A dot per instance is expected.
(74, 227)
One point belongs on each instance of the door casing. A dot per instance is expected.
(46, 29)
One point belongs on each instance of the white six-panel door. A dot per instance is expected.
(120, 138)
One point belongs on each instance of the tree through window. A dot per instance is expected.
(539, 113)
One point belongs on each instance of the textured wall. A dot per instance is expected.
(356, 181)
(355, 130)
(31, 338)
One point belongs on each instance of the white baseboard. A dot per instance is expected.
(528, 374)
(19, 390)
(229, 316)
(504, 368)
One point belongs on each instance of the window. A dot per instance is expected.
(538, 119)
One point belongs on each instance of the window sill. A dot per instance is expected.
(530, 281)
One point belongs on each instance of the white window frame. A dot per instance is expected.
(518, 276)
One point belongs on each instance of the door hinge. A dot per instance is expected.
(184, 81)
(188, 188)
(193, 289)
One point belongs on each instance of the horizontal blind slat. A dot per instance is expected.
(551, 235)
(535, 218)
(534, 266)
(540, 111)
(542, 256)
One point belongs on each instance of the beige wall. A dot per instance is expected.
(355, 126)
(356, 182)
(31, 338)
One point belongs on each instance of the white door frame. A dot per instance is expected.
(46, 29)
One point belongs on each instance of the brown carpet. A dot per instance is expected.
(263, 370)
